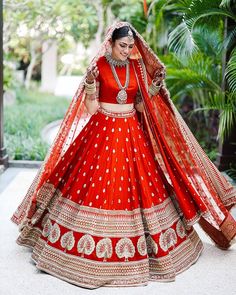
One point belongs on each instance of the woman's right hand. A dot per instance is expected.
(92, 73)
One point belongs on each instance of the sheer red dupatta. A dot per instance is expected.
(199, 189)
(203, 190)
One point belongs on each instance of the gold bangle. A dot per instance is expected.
(89, 83)
(90, 88)
(90, 91)
(154, 89)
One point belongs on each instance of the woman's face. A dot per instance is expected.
(122, 48)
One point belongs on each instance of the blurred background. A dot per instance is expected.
(47, 46)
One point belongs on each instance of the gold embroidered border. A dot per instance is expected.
(113, 223)
(29, 236)
(228, 227)
(182, 257)
(93, 274)
(113, 114)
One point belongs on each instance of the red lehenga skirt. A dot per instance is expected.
(111, 221)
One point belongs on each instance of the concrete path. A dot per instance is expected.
(214, 272)
(50, 131)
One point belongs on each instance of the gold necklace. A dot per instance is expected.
(122, 94)
(116, 63)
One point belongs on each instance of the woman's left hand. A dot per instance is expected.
(158, 78)
(157, 82)
(92, 73)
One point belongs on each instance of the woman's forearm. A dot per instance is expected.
(91, 103)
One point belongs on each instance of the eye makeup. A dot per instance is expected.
(122, 44)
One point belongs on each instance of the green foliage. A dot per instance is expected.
(8, 77)
(199, 15)
(197, 77)
(227, 106)
(232, 172)
(131, 11)
(28, 24)
(194, 66)
(24, 121)
(198, 44)
(83, 24)
(159, 21)
(43, 20)
(231, 71)
(204, 131)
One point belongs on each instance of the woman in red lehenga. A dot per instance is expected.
(114, 203)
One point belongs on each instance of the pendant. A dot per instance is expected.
(121, 96)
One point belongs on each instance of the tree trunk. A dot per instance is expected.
(100, 11)
(110, 18)
(33, 59)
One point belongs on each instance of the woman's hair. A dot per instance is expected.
(121, 32)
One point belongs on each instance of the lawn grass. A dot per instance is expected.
(24, 121)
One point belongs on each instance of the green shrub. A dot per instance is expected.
(24, 121)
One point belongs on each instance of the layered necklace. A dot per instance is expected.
(122, 94)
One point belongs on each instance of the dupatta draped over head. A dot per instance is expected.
(197, 188)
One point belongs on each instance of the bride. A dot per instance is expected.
(115, 204)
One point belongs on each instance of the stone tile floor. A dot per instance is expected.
(214, 272)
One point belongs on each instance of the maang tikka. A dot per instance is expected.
(130, 34)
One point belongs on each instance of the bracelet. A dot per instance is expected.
(90, 88)
(153, 89)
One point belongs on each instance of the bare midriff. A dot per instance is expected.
(117, 107)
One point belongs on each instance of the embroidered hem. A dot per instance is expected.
(94, 274)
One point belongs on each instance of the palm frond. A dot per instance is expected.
(181, 41)
(158, 24)
(180, 7)
(186, 82)
(226, 104)
(208, 41)
(182, 82)
(201, 9)
(230, 72)
(229, 41)
(159, 4)
(200, 67)
(226, 3)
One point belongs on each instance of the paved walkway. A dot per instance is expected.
(214, 272)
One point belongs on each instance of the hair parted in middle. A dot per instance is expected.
(122, 32)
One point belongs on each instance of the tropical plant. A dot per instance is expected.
(203, 24)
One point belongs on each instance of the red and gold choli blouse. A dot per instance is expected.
(108, 87)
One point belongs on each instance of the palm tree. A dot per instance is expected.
(203, 25)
